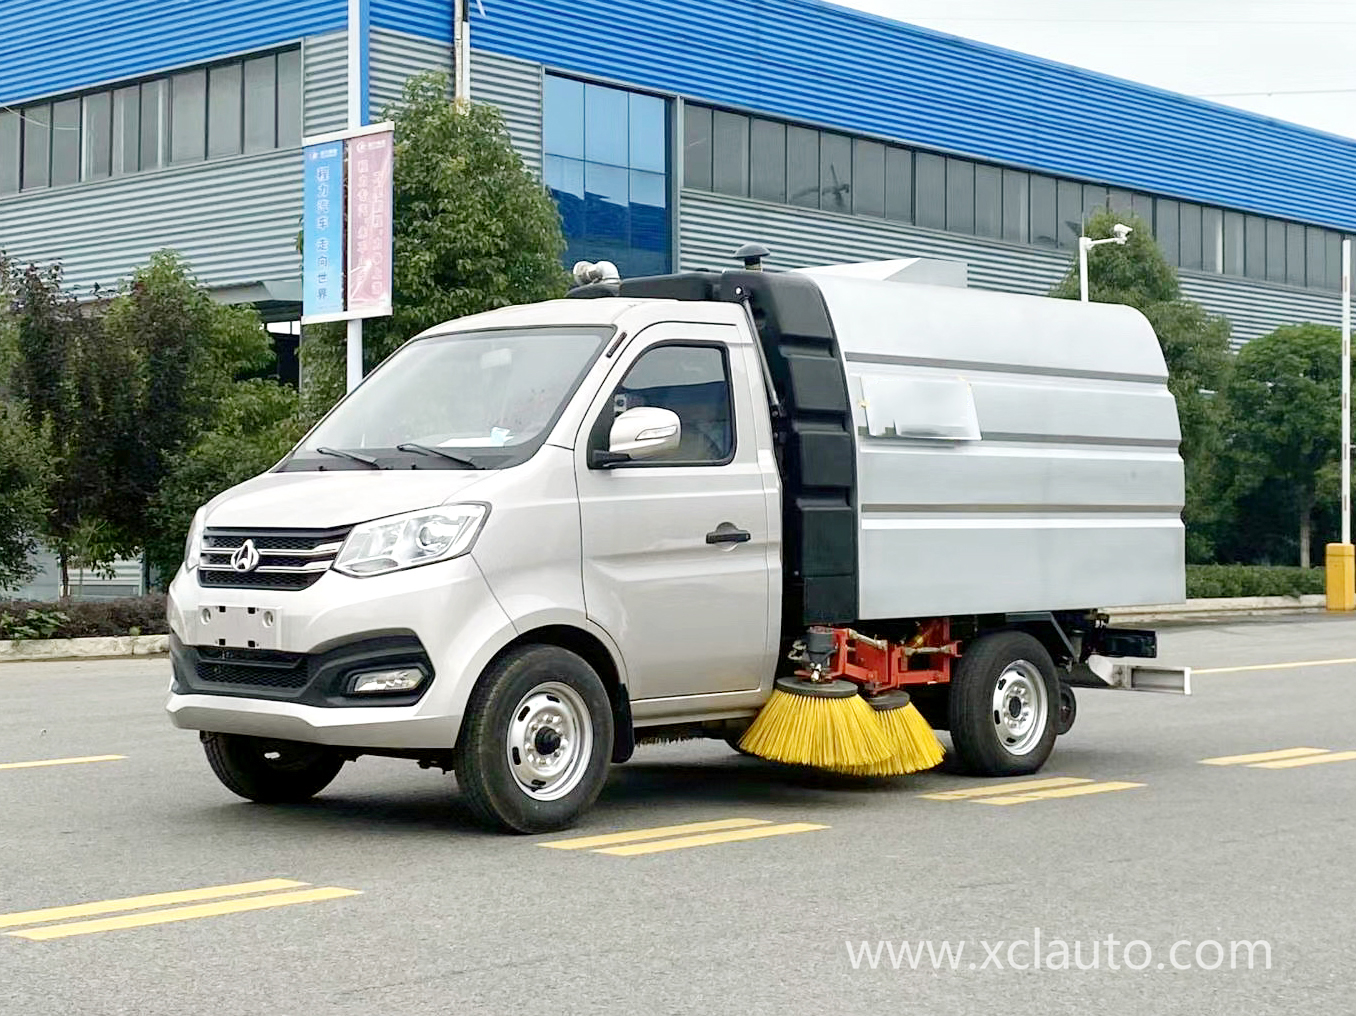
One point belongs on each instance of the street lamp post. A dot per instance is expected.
(1120, 233)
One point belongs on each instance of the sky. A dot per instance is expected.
(1290, 59)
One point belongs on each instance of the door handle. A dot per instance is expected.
(728, 533)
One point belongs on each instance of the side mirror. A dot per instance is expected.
(641, 433)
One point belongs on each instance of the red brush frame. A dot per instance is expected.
(881, 666)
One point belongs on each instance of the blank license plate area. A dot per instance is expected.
(240, 627)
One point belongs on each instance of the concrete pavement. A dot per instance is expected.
(448, 919)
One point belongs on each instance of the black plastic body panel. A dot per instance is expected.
(313, 679)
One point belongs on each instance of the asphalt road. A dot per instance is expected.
(446, 919)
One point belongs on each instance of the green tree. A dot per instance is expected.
(74, 387)
(188, 350)
(1195, 347)
(24, 478)
(255, 423)
(1284, 436)
(474, 230)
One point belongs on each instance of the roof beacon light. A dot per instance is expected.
(586, 272)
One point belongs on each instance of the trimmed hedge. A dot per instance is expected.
(1207, 581)
(72, 619)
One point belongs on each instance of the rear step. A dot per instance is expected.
(1100, 672)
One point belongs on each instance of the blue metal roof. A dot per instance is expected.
(56, 46)
(817, 62)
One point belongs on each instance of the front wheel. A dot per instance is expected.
(269, 771)
(1004, 706)
(536, 741)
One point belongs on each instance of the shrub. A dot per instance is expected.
(1208, 581)
(69, 619)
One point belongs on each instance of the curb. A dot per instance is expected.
(1221, 609)
(99, 648)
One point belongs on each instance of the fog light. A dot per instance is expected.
(375, 682)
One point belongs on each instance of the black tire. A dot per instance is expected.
(269, 771)
(979, 748)
(488, 779)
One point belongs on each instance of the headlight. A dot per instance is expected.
(405, 541)
(193, 544)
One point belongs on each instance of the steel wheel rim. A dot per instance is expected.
(1021, 707)
(549, 741)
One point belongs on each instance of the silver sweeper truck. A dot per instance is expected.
(534, 537)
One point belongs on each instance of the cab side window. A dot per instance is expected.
(694, 382)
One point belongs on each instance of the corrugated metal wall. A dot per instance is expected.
(431, 19)
(515, 87)
(828, 65)
(56, 46)
(325, 106)
(713, 225)
(235, 220)
(396, 56)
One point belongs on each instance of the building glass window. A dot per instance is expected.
(224, 111)
(802, 167)
(188, 116)
(1166, 230)
(960, 196)
(929, 186)
(1142, 206)
(989, 201)
(154, 124)
(1212, 240)
(730, 153)
(1069, 203)
(1044, 217)
(1189, 236)
(1122, 203)
(696, 145)
(1333, 277)
(1094, 200)
(261, 107)
(1315, 258)
(65, 142)
(835, 172)
(1255, 247)
(1294, 254)
(37, 146)
(1016, 206)
(9, 152)
(289, 98)
(1233, 243)
(1275, 251)
(899, 184)
(606, 165)
(767, 160)
(97, 139)
(868, 178)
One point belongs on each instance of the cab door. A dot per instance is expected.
(677, 551)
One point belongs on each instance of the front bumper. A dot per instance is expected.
(445, 612)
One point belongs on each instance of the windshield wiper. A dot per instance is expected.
(339, 453)
(411, 446)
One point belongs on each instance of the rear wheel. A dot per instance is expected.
(269, 771)
(536, 741)
(1004, 706)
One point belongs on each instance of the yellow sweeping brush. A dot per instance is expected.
(914, 746)
(825, 724)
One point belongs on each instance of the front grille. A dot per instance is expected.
(255, 668)
(288, 558)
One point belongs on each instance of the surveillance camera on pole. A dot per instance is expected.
(1120, 232)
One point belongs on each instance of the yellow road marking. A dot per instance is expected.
(145, 902)
(1312, 760)
(1019, 786)
(611, 839)
(1274, 666)
(190, 913)
(1041, 795)
(61, 761)
(706, 839)
(1261, 756)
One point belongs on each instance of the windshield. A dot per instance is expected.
(478, 400)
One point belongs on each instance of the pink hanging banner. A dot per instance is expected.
(370, 158)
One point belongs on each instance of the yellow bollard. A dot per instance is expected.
(1341, 565)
